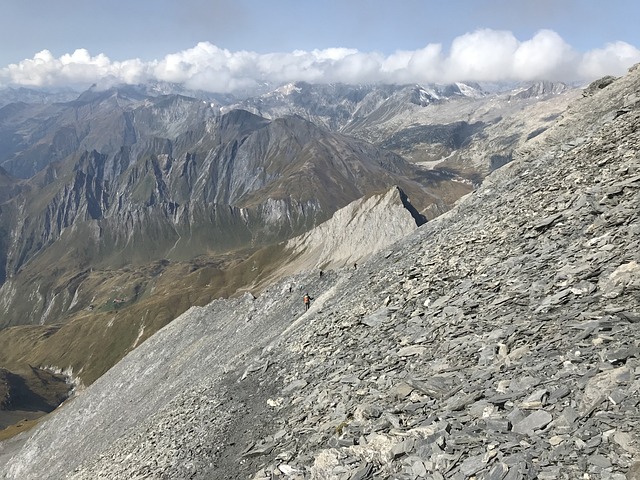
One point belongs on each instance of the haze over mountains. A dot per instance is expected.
(122, 208)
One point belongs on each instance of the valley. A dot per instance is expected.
(120, 210)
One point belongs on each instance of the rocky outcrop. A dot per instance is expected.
(353, 233)
(498, 341)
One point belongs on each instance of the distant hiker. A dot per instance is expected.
(355, 265)
(321, 273)
(307, 301)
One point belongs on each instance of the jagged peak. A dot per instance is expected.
(355, 232)
(542, 88)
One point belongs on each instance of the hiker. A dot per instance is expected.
(307, 301)
(355, 265)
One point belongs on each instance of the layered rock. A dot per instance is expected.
(355, 232)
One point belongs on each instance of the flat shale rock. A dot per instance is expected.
(499, 341)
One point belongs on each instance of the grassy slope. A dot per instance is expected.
(129, 305)
(92, 341)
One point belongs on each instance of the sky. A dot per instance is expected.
(233, 45)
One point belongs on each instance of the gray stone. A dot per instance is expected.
(412, 350)
(600, 461)
(363, 472)
(626, 441)
(402, 448)
(535, 421)
(295, 385)
(473, 465)
(377, 318)
(634, 471)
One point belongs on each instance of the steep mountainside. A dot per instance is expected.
(349, 237)
(9, 186)
(499, 341)
(145, 202)
(122, 208)
(119, 210)
(237, 181)
(101, 336)
(354, 230)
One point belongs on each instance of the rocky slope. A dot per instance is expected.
(125, 324)
(352, 234)
(499, 341)
(137, 207)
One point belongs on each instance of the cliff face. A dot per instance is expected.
(497, 341)
(353, 233)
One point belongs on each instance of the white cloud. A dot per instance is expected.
(483, 55)
(424, 65)
(76, 68)
(545, 56)
(613, 59)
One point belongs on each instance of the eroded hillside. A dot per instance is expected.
(500, 341)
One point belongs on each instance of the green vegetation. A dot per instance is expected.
(13, 430)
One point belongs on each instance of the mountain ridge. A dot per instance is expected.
(262, 181)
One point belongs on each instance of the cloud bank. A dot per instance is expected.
(483, 55)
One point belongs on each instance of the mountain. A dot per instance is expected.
(9, 186)
(114, 243)
(496, 341)
(32, 95)
(122, 324)
(350, 236)
(125, 206)
(119, 210)
(353, 232)
(338, 106)
(232, 182)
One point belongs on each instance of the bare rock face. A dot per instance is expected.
(498, 341)
(353, 233)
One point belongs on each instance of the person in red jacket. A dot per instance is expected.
(307, 301)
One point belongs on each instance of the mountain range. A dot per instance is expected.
(122, 208)
(498, 340)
